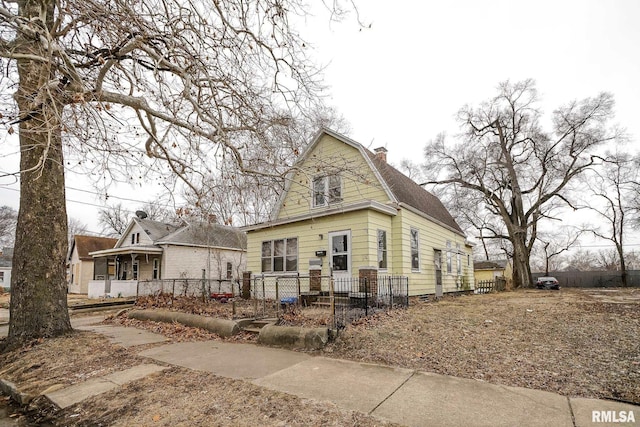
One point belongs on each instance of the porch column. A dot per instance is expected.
(315, 279)
(246, 285)
(370, 274)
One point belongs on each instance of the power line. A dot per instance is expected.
(83, 203)
(95, 193)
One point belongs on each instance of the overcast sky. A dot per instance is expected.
(400, 82)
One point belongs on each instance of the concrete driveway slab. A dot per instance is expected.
(238, 361)
(594, 412)
(439, 401)
(78, 392)
(352, 385)
(126, 337)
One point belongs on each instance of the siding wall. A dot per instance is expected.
(331, 156)
(431, 237)
(184, 261)
(6, 283)
(144, 239)
(363, 225)
(81, 272)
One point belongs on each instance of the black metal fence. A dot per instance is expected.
(189, 287)
(345, 299)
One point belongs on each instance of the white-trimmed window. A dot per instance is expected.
(229, 270)
(382, 249)
(156, 268)
(327, 190)
(458, 259)
(135, 268)
(449, 266)
(415, 249)
(280, 255)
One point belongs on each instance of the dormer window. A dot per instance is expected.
(135, 238)
(327, 190)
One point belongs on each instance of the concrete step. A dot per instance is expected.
(255, 325)
(328, 304)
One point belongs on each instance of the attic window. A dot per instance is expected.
(327, 190)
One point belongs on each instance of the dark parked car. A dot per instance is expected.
(547, 282)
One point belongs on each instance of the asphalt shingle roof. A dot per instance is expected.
(409, 192)
(156, 229)
(86, 244)
(204, 234)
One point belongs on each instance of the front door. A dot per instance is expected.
(340, 259)
(437, 260)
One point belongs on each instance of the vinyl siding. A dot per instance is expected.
(331, 156)
(144, 239)
(186, 261)
(363, 224)
(431, 237)
(82, 273)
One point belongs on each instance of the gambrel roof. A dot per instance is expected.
(402, 191)
(408, 192)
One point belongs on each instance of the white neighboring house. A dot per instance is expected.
(159, 252)
(6, 258)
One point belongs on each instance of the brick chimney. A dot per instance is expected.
(381, 153)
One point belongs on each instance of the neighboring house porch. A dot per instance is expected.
(152, 251)
(6, 260)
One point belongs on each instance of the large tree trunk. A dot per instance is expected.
(521, 268)
(38, 305)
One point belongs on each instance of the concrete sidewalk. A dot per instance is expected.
(404, 396)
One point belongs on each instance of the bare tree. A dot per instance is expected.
(134, 86)
(76, 226)
(521, 172)
(555, 243)
(8, 218)
(613, 188)
(115, 218)
(607, 259)
(582, 260)
(242, 199)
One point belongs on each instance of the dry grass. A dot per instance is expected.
(573, 342)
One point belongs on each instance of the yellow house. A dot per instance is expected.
(489, 270)
(345, 208)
